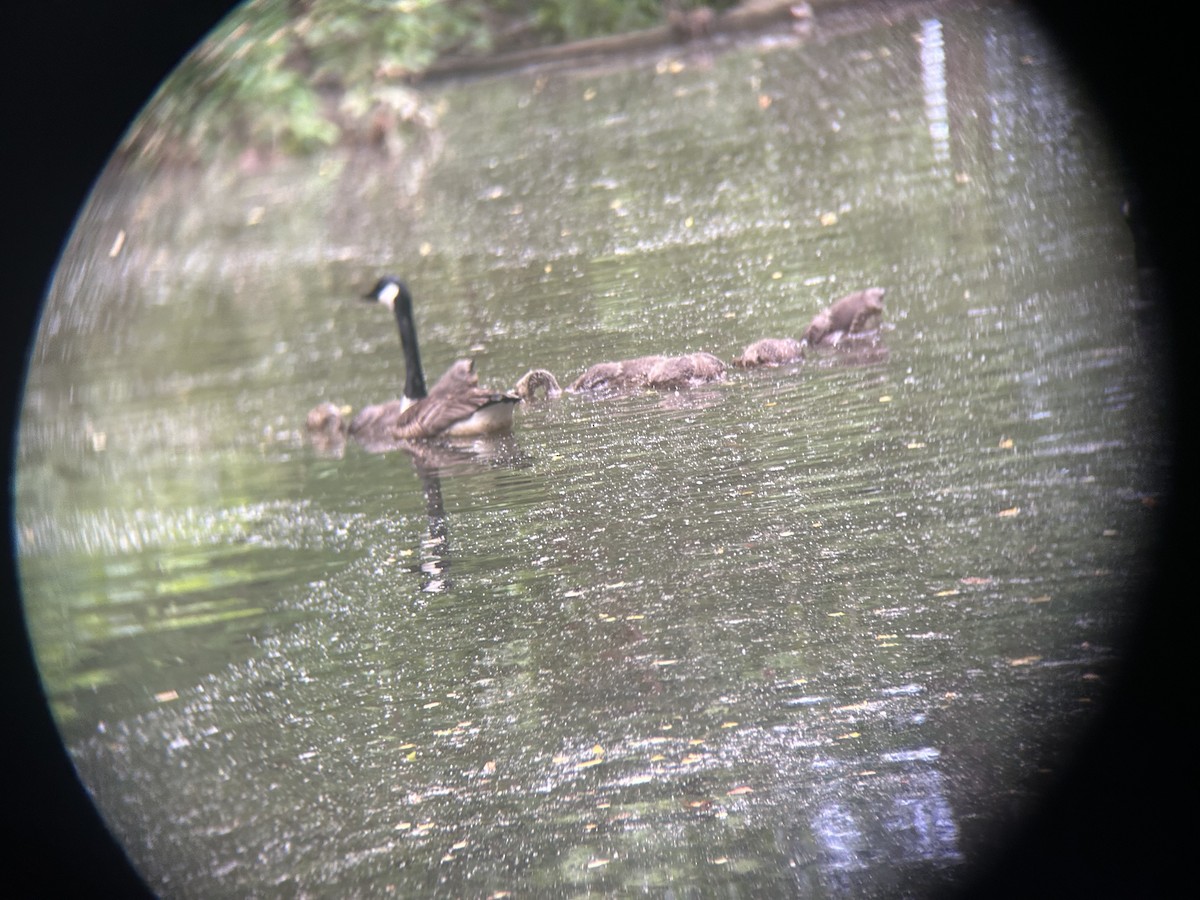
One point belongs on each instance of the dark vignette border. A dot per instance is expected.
(75, 74)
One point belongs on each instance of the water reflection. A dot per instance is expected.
(431, 462)
(435, 549)
(933, 78)
(899, 819)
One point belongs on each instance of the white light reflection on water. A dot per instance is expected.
(933, 78)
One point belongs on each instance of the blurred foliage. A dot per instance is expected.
(572, 20)
(291, 76)
(294, 75)
(575, 19)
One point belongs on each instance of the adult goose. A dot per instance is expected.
(455, 406)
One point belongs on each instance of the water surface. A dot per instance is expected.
(823, 629)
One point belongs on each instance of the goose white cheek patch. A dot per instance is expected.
(388, 293)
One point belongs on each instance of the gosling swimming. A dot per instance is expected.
(770, 352)
(651, 372)
(855, 314)
(534, 380)
(853, 318)
(327, 427)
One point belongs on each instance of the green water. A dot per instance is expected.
(820, 630)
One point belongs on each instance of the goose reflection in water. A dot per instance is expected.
(434, 557)
(433, 462)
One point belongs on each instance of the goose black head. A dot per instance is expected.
(389, 290)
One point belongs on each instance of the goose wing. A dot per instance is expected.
(454, 398)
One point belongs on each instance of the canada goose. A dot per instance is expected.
(661, 372)
(854, 314)
(770, 352)
(455, 406)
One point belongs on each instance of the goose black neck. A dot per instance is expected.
(414, 377)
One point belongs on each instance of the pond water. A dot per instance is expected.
(823, 630)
